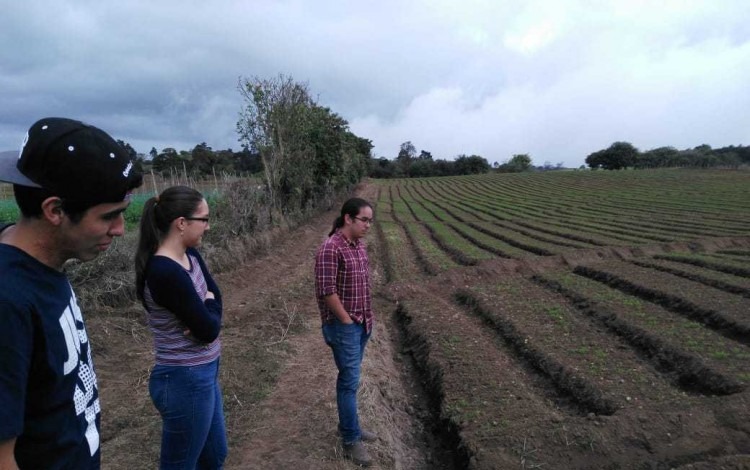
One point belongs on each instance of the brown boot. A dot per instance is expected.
(358, 454)
(368, 436)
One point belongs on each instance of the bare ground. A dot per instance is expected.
(278, 375)
(278, 379)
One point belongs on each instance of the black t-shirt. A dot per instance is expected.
(48, 391)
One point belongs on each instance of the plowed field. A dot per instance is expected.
(566, 320)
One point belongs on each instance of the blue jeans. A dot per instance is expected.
(189, 401)
(348, 344)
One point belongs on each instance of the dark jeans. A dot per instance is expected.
(189, 401)
(348, 344)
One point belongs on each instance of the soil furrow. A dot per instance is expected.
(717, 320)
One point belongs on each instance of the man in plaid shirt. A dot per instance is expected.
(342, 276)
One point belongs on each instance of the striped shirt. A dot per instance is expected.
(342, 267)
(175, 301)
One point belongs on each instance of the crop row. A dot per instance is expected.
(714, 196)
(729, 315)
(655, 226)
(559, 347)
(468, 239)
(467, 234)
(669, 192)
(527, 370)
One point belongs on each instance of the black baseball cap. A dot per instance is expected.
(71, 160)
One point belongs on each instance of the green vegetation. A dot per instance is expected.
(556, 313)
(517, 215)
(410, 165)
(594, 319)
(671, 328)
(706, 261)
(307, 151)
(8, 210)
(621, 155)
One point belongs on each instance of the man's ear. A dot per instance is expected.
(52, 210)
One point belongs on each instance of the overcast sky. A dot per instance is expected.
(554, 79)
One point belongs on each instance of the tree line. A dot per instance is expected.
(408, 164)
(621, 155)
(203, 161)
(305, 152)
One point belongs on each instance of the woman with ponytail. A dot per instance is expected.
(184, 309)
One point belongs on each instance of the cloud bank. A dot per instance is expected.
(554, 79)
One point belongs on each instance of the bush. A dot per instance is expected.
(109, 280)
(241, 210)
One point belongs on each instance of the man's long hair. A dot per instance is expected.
(350, 208)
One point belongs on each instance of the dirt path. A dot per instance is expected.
(277, 374)
(295, 425)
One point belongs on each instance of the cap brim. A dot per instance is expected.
(9, 170)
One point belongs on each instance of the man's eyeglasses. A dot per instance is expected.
(365, 220)
(200, 219)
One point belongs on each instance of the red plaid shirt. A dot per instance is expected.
(342, 267)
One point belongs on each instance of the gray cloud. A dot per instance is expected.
(555, 79)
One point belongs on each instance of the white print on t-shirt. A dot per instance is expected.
(71, 322)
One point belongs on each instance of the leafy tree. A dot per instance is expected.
(421, 168)
(247, 161)
(517, 164)
(272, 124)
(728, 159)
(471, 165)
(407, 151)
(596, 160)
(167, 161)
(658, 158)
(381, 168)
(307, 151)
(619, 155)
(203, 158)
(357, 151)
(444, 167)
(742, 154)
(406, 154)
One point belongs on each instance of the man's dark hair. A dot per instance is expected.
(29, 201)
(350, 208)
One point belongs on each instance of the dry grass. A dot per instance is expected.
(242, 227)
(109, 280)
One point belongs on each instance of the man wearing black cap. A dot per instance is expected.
(72, 183)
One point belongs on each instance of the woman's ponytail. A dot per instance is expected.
(350, 208)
